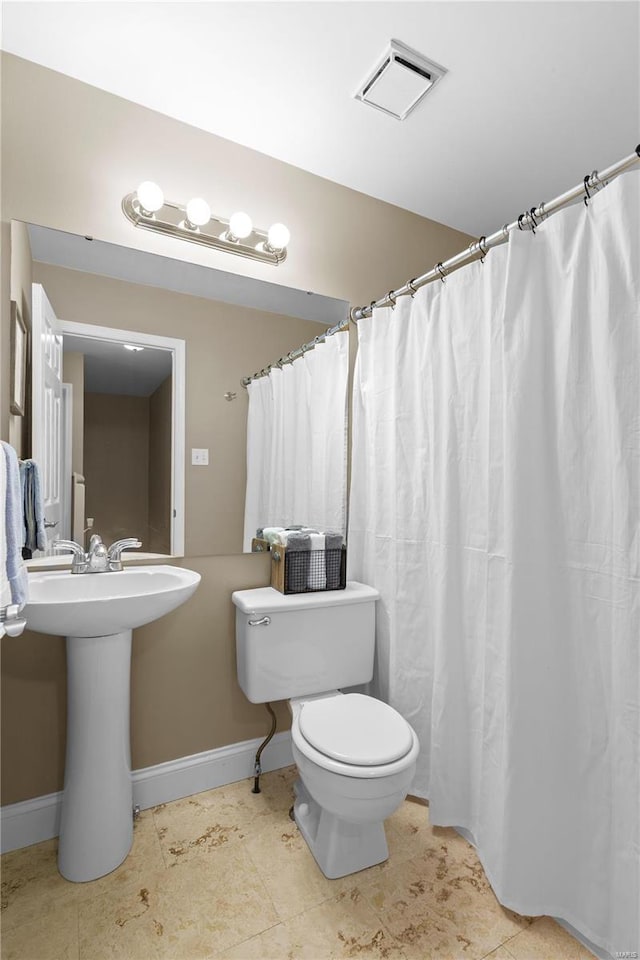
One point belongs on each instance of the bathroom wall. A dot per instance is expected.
(116, 465)
(73, 373)
(18, 428)
(185, 698)
(160, 469)
(69, 154)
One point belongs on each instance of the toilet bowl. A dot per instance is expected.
(356, 757)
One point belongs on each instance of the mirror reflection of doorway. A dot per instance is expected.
(117, 443)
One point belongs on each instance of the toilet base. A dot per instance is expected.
(339, 846)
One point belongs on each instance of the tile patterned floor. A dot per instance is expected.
(225, 876)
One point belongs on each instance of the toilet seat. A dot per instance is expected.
(330, 739)
(355, 729)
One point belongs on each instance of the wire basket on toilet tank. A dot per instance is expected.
(303, 560)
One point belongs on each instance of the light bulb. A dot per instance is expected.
(278, 236)
(240, 225)
(198, 212)
(150, 196)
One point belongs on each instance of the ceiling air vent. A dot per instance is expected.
(399, 81)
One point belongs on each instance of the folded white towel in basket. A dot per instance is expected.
(317, 579)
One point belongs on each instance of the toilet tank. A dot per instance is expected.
(292, 645)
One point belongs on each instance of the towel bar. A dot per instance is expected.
(10, 620)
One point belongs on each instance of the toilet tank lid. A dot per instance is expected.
(268, 600)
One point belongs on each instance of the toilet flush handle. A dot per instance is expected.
(262, 622)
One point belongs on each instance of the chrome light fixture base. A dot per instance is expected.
(172, 221)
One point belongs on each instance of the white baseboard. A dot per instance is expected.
(31, 821)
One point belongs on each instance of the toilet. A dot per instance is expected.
(356, 756)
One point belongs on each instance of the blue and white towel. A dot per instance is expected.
(13, 567)
(34, 535)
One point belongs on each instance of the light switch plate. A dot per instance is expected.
(199, 457)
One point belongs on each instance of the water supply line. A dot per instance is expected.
(257, 767)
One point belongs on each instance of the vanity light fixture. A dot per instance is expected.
(133, 347)
(146, 207)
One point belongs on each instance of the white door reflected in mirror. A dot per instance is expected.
(47, 422)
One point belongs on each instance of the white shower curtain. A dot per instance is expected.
(296, 442)
(495, 502)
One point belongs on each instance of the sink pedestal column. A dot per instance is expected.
(96, 829)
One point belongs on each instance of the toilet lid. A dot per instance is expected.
(355, 729)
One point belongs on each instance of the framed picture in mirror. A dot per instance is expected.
(18, 360)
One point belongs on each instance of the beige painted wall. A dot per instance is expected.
(184, 694)
(69, 154)
(73, 373)
(19, 428)
(116, 465)
(223, 344)
(160, 469)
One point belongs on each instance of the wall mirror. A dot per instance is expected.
(122, 432)
(130, 446)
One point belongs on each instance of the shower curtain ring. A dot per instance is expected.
(391, 297)
(520, 219)
(532, 219)
(482, 247)
(414, 290)
(587, 195)
(596, 182)
(371, 306)
(441, 270)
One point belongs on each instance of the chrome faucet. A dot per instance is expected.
(98, 558)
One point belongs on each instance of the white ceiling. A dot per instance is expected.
(537, 93)
(109, 368)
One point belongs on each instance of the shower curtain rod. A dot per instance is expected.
(526, 221)
(479, 248)
(298, 352)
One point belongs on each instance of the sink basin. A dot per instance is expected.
(99, 604)
(97, 612)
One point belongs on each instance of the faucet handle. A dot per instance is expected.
(115, 551)
(79, 562)
(69, 545)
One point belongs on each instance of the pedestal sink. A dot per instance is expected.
(96, 613)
